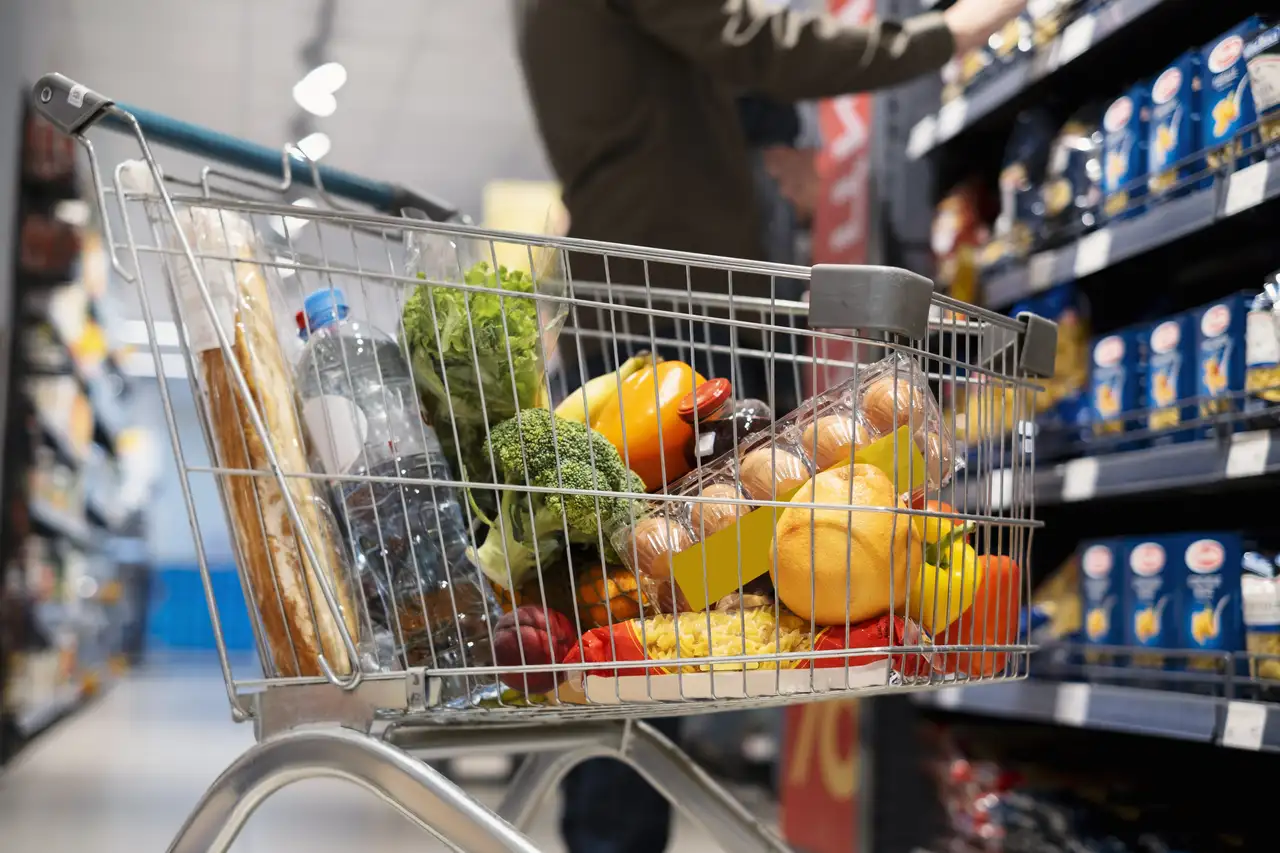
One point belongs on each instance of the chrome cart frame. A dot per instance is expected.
(345, 712)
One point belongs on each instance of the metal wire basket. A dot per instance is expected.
(515, 478)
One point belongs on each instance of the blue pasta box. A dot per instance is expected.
(1210, 614)
(1171, 379)
(1220, 359)
(1153, 578)
(1115, 386)
(1102, 574)
(1124, 152)
(1262, 55)
(1173, 133)
(1226, 100)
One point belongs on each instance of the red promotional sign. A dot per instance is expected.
(820, 777)
(841, 221)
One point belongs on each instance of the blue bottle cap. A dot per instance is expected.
(324, 307)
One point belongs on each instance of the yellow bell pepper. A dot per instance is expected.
(944, 591)
(935, 530)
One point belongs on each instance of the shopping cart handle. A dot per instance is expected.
(74, 108)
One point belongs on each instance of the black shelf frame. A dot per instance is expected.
(1224, 707)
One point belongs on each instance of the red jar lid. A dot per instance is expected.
(709, 397)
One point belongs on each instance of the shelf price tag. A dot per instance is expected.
(1093, 252)
(1076, 38)
(1001, 489)
(949, 697)
(1040, 271)
(1080, 479)
(1247, 456)
(922, 136)
(1072, 705)
(951, 118)
(1245, 189)
(1246, 723)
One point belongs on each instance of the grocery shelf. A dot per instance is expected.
(1233, 723)
(1119, 241)
(1152, 469)
(1073, 43)
(59, 440)
(59, 523)
(32, 721)
(1195, 705)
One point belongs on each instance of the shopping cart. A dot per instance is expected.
(509, 580)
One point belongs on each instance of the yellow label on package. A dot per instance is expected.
(709, 570)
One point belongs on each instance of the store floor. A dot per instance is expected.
(123, 775)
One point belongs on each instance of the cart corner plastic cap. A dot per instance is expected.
(136, 177)
(325, 306)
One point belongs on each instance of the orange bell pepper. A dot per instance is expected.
(651, 397)
(993, 619)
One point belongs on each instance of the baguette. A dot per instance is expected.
(284, 585)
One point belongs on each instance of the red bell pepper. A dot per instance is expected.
(992, 620)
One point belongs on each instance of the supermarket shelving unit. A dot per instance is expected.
(1200, 246)
(62, 623)
(1183, 705)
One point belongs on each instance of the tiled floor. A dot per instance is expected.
(122, 776)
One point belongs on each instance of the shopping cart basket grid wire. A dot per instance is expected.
(491, 481)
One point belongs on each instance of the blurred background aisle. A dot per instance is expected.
(124, 773)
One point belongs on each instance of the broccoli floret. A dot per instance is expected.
(556, 454)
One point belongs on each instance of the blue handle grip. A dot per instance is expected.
(193, 139)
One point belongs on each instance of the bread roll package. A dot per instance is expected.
(882, 425)
(280, 580)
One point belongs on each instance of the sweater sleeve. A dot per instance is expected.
(793, 55)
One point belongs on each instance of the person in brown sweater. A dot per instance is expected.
(635, 103)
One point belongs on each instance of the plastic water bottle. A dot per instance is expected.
(357, 399)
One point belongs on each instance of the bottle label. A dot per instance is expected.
(338, 430)
(1262, 349)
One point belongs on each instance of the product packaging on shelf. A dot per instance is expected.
(1173, 134)
(282, 581)
(1124, 146)
(1262, 356)
(1072, 189)
(1208, 565)
(1171, 378)
(1026, 157)
(1115, 387)
(1220, 360)
(1102, 583)
(1226, 102)
(1013, 41)
(958, 233)
(1260, 594)
(1047, 19)
(1262, 55)
(1153, 582)
(879, 434)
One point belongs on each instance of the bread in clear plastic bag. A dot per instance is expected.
(281, 580)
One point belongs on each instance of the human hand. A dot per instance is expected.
(973, 21)
(796, 172)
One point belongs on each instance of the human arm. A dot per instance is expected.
(793, 55)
